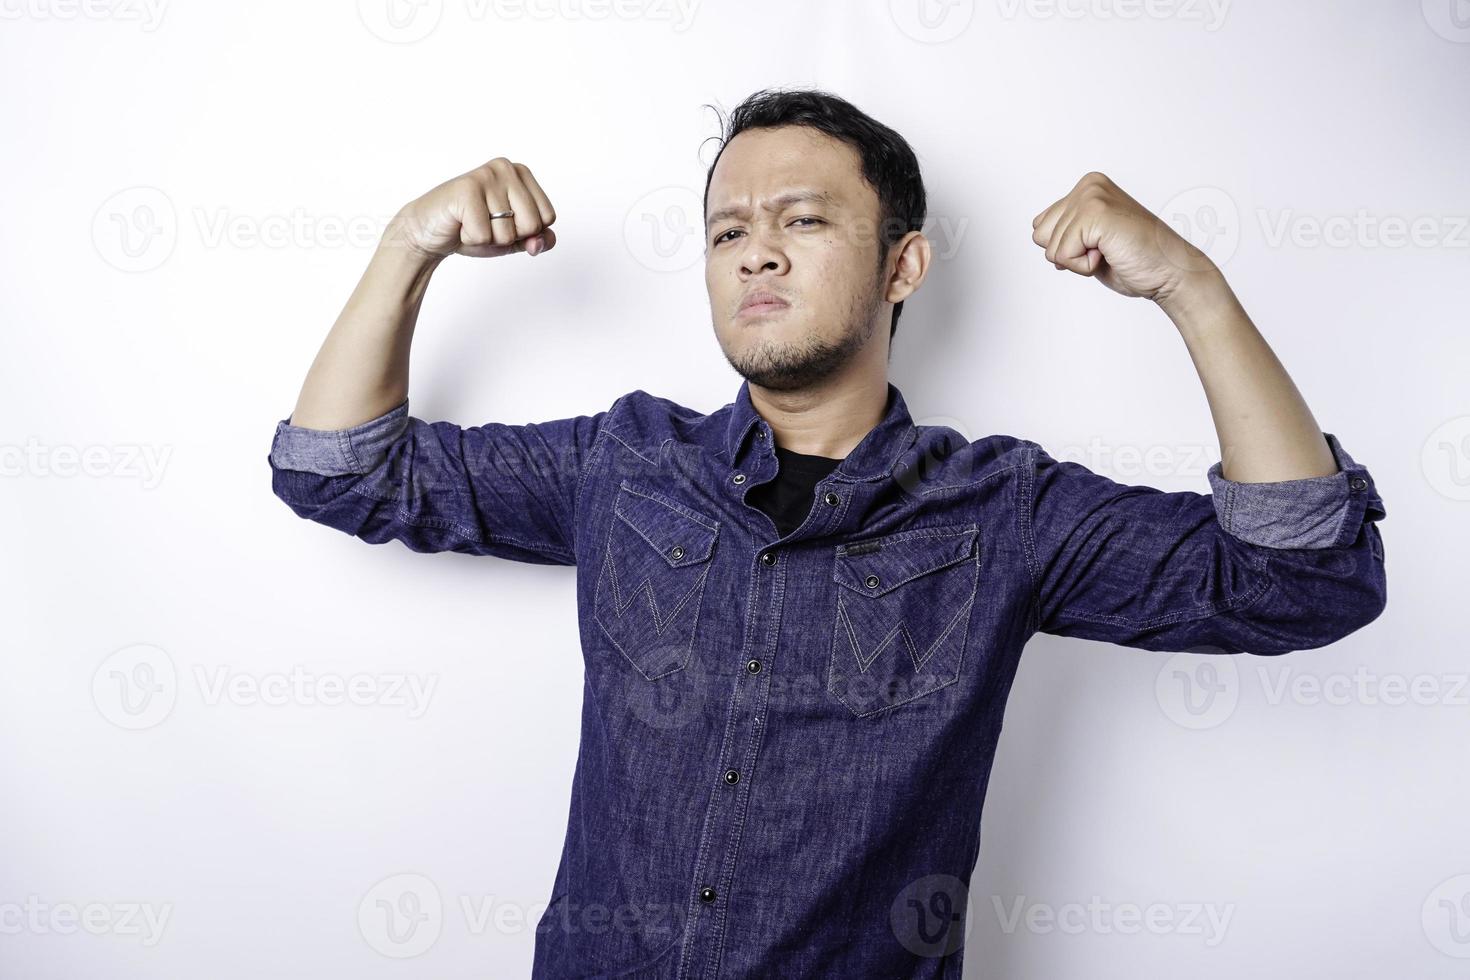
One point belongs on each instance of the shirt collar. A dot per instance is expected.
(873, 458)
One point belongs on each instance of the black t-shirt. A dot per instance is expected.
(788, 497)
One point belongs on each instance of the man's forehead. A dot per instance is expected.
(773, 199)
(762, 165)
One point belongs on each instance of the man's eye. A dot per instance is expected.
(721, 238)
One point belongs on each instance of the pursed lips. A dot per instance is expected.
(763, 304)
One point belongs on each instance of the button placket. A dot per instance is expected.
(835, 503)
(744, 733)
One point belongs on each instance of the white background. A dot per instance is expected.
(178, 181)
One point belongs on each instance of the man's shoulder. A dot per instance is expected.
(646, 403)
(640, 419)
(979, 455)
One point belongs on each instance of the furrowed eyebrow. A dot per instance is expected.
(775, 205)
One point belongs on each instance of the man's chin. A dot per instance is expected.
(778, 326)
(783, 369)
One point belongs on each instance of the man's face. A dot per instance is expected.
(790, 214)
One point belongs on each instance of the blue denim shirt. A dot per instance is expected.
(786, 741)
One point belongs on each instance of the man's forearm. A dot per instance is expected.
(1265, 428)
(361, 370)
(1267, 433)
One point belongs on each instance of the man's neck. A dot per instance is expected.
(827, 420)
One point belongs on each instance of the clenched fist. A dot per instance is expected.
(458, 215)
(1097, 230)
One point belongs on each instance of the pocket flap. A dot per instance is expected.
(879, 565)
(675, 532)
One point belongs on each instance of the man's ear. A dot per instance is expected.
(912, 266)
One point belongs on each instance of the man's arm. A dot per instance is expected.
(361, 370)
(1266, 430)
(1264, 568)
(351, 457)
(1284, 554)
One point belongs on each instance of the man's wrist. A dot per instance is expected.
(399, 245)
(1201, 298)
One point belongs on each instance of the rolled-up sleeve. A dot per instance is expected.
(338, 452)
(1263, 568)
(496, 489)
(1315, 512)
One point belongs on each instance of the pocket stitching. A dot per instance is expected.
(967, 531)
(966, 614)
(970, 531)
(607, 579)
(708, 524)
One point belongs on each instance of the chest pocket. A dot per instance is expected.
(902, 615)
(651, 585)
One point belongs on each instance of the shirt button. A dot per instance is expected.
(768, 558)
(738, 477)
(1358, 483)
(753, 666)
(706, 894)
(732, 776)
(871, 581)
(760, 433)
(830, 498)
(677, 553)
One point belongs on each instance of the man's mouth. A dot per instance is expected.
(761, 303)
(759, 309)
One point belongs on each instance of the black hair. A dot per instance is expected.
(888, 162)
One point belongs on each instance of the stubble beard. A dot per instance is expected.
(793, 365)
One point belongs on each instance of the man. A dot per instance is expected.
(801, 614)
